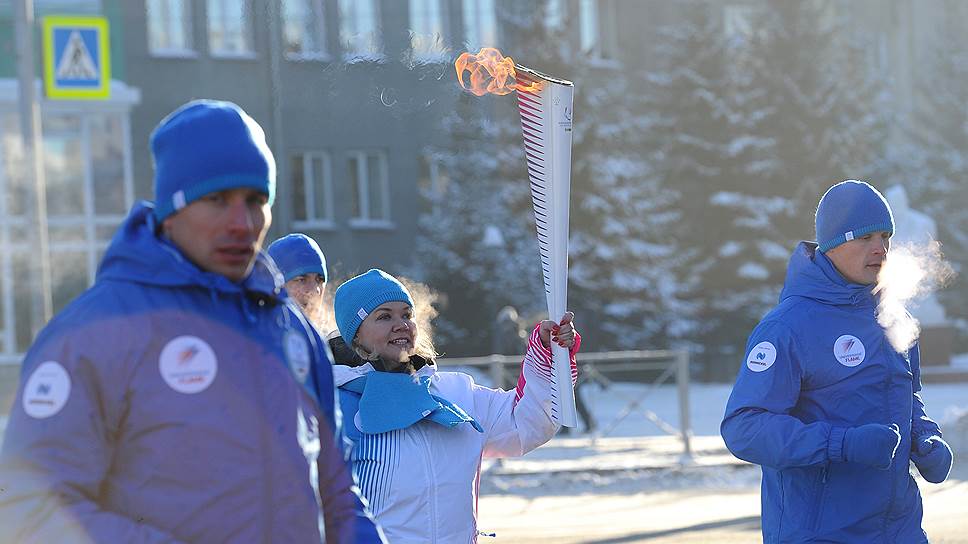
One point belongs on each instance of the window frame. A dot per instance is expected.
(357, 54)
(313, 220)
(189, 28)
(474, 7)
(439, 50)
(362, 188)
(248, 31)
(318, 7)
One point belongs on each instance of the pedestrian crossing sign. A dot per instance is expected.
(77, 61)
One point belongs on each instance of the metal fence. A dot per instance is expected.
(654, 367)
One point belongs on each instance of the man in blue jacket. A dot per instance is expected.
(183, 398)
(303, 268)
(824, 403)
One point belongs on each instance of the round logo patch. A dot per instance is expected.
(849, 350)
(761, 357)
(297, 355)
(188, 364)
(47, 390)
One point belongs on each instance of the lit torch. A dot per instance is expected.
(545, 105)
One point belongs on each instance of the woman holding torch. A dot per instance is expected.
(419, 434)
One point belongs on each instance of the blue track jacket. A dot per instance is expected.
(169, 404)
(816, 365)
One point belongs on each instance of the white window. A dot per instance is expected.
(230, 27)
(433, 181)
(312, 190)
(359, 29)
(371, 188)
(87, 166)
(304, 29)
(480, 24)
(427, 29)
(169, 27)
(597, 29)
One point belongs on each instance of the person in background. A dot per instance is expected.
(183, 398)
(419, 433)
(828, 407)
(303, 267)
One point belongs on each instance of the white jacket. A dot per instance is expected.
(422, 481)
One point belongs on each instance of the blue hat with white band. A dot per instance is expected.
(360, 295)
(297, 254)
(851, 209)
(207, 146)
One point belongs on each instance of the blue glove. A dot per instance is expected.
(873, 444)
(932, 455)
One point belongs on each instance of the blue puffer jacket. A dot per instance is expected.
(169, 404)
(815, 366)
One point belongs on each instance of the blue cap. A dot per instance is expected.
(848, 210)
(207, 146)
(360, 295)
(297, 254)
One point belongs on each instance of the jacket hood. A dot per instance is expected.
(137, 254)
(810, 274)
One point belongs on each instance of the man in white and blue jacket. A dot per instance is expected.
(183, 397)
(824, 403)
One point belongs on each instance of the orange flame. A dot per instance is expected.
(490, 72)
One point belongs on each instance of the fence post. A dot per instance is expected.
(682, 381)
(497, 371)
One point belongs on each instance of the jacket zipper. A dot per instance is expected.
(266, 467)
(893, 468)
(432, 488)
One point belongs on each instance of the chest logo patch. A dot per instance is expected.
(47, 390)
(849, 350)
(761, 357)
(297, 355)
(188, 364)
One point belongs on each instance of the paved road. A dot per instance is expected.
(721, 507)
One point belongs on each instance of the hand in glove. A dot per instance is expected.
(872, 444)
(932, 455)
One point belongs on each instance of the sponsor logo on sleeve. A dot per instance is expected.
(47, 390)
(297, 355)
(188, 364)
(761, 357)
(849, 350)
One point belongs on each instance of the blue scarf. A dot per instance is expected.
(392, 401)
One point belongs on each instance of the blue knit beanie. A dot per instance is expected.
(207, 146)
(848, 210)
(297, 254)
(360, 295)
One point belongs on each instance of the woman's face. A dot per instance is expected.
(389, 331)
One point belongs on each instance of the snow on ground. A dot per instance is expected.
(634, 485)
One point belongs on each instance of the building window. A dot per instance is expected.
(169, 27)
(433, 181)
(358, 29)
(89, 191)
(597, 29)
(371, 188)
(480, 24)
(427, 29)
(304, 29)
(230, 27)
(312, 190)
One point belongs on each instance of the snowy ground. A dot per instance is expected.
(634, 486)
(631, 482)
